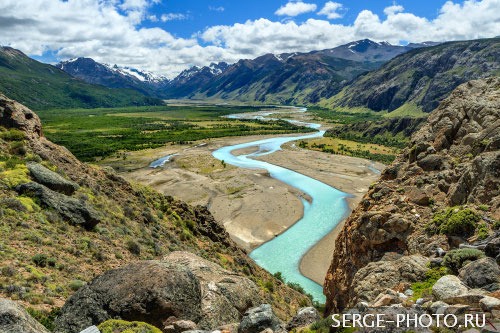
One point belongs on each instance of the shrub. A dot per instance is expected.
(279, 276)
(454, 221)
(46, 318)
(122, 326)
(484, 208)
(269, 285)
(13, 135)
(40, 260)
(482, 231)
(456, 259)
(76, 284)
(423, 289)
(133, 247)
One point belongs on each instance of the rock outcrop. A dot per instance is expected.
(454, 159)
(51, 179)
(14, 319)
(182, 286)
(259, 319)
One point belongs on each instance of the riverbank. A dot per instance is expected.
(348, 174)
(253, 207)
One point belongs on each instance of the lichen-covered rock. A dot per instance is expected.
(14, 319)
(258, 319)
(482, 273)
(376, 277)
(76, 211)
(453, 159)
(448, 287)
(51, 179)
(182, 286)
(304, 317)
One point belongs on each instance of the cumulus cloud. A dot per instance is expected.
(110, 32)
(293, 8)
(173, 16)
(331, 10)
(391, 10)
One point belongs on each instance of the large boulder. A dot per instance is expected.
(482, 273)
(14, 319)
(51, 179)
(76, 211)
(376, 277)
(259, 319)
(304, 317)
(182, 286)
(448, 287)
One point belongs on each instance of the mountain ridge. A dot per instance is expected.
(51, 87)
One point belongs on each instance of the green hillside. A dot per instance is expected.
(51, 88)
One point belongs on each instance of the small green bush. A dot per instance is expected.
(456, 259)
(122, 326)
(454, 221)
(423, 289)
(76, 284)
(46, 318)
(484, 208)
(269, 285)
(482, 231)
(40, 260)
(279, 276)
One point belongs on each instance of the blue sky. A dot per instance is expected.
(168, 36)
(200, 14)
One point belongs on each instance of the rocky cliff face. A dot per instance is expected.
(63, 222)
(452, 161)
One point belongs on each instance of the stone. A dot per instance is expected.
(492, 248)
(51, 179)
(435, 306)
(482, 273)
(431, 162)
(418, 197)
(180, 326)
(376, 277)
(489, 304)
(469, 298)
(447, 287)
(303, 317)
(76, 211)
(385, 300)
(181, 286)
(14, 319)
(258, 319)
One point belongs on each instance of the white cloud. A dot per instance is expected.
(391, 10)
(110, 32)
(331, 10)
(173, 16)
(293, 8)
(216, 9)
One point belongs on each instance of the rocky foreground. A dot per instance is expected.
(82, 247)
(426, 236)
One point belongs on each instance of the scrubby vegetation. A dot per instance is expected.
(456, 259)
(122, 326)
(98, 133)
(424, 288)
(44, 258)
(455, 221)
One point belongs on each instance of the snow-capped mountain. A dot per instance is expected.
(113, 76)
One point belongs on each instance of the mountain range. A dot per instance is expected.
(359, 76)
(51, 87)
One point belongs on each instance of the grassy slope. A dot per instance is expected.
(50, 87)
